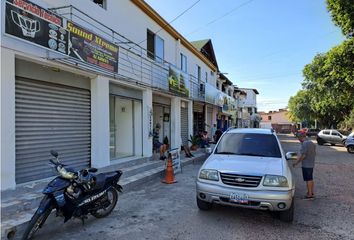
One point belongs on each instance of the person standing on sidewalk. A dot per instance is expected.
(307, 157)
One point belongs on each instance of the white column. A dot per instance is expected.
(7, 120)
(175, 122)
(100, 122)
(147, 123)
(190, 118)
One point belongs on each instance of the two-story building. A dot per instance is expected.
(91, 79)
(247, 108)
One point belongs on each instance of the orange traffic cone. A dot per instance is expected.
(169, 174)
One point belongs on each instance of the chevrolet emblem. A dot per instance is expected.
(240, 180)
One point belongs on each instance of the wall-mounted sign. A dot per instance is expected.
(30, 22)
(91, 48)
(177, 82)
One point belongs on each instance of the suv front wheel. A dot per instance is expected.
(202, 205)
(287, 215)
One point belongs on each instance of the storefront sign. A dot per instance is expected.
(176, 160)
(88, 47)
(177, 82)
(30, 22)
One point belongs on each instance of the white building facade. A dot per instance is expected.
(247, 108)
(91, 81)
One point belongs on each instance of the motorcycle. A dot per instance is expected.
(76, 194)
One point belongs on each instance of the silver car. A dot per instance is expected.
(248, 168)
(330, 136)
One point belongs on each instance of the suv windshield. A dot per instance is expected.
(251, 144)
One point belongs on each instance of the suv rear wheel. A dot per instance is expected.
(202, 205)
(287, 215)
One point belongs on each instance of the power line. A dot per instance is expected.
(222, 16)
(180, 15)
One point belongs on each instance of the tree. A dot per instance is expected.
(330, 82)
(300, 107)
(342, 12)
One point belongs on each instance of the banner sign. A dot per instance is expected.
(176, 160)
(88, 47)
(177, 82)
(32, 23)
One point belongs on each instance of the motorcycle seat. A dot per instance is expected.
(100, 181)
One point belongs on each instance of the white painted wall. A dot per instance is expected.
(250, 100)
(7, 127)
(175, 117)
(138, 129)
(147, 123)
(100, 122)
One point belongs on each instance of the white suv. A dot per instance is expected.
(248, 168)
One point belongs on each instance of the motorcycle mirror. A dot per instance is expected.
(54, 153)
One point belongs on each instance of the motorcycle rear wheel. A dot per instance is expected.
(36, 222)
(112, 197)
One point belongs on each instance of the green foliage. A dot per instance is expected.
(328, 87)
(194, 140)
(342, 12)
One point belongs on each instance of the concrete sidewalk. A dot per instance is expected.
(18, 206)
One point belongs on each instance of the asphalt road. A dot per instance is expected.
(158, 211)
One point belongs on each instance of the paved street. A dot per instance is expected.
(158, 211)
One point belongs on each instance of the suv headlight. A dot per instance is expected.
(275, 181)
(209, 174)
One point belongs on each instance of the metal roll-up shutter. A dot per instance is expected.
(210, 121)
(50, 116)
(184, 125)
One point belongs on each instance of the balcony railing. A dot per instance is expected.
(134, 64)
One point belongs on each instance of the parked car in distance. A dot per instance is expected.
(248, 168)
(349, 143)
(330, 136)
(311, 132)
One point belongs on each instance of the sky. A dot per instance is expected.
(262, 44)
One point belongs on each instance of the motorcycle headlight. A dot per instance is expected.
(275, 181)
(209, 174)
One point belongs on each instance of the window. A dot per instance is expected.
(155, 46)
(250, 110)
(198, 73)
(326, 132)
(101, 3)
(249, 144)
(183, 63)
(206, 77)
(269, 118)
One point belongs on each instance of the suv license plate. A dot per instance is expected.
(239, 198)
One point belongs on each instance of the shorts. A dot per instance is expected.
(307, 174)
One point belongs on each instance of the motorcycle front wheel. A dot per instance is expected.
(112, 197)
(36, 222)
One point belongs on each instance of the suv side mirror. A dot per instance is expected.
(290, 156)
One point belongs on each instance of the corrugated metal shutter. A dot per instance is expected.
(50, 116)
(184, 125)
(210, 121)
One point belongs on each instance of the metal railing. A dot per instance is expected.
(134, 62)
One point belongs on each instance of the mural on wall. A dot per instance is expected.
(177, 82)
